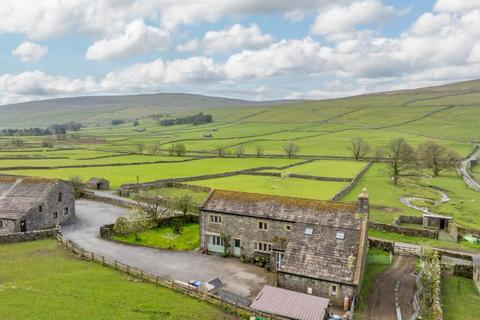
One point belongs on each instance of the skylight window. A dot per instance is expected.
(308, 231)
(340, 235)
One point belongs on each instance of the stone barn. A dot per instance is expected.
(435, 221)
(315, 247)
(30, 203)
(98, 184)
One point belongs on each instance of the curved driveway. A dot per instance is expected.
(239, 278)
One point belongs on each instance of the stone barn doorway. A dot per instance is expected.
(23, 226)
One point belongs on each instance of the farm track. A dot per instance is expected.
(429, 114)
(464, 169)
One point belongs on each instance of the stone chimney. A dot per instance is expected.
(362, 202)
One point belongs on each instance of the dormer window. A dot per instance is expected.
(340, 235)
(308, 231)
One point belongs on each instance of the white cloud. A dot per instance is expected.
(137, 39)
(232, 38)
(295, 15)
(428, 23)
(28, 51)
(340, 18)
(456, 5)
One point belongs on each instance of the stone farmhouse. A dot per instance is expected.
(315, 247)
(29, 203)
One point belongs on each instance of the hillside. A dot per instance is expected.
(101, 109)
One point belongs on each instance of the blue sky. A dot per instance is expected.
(245, 48)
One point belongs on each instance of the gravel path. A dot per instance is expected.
(464, 169)
(242, 279)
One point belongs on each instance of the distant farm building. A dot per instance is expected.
(29, 203)
(435, 221)
(98, 184)
(316, 247)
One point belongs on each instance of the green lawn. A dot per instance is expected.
(322, 190)
(40, 280)
(460, 298)
(165, 238)
(327, 168)
(173, 193)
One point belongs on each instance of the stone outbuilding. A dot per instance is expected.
(315, 247)
(435, 221)
(98, 184)
(30, 203)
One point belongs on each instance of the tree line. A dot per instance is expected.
(197, 119)
(61, 128)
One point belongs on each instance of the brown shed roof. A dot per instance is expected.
(290, 304)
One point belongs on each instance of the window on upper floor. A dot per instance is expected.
(215, 219)
(263, 247)
(40, 209)
(262, 225)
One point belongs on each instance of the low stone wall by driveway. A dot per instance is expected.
(463, 271)
(426, 233)
(29, 236)
(386, 245)
(342, 193)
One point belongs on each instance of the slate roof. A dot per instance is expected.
(290, 304)
(97, 180)
(19, 194)
(281, 208)
(319, 255)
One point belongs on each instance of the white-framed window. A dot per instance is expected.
(262, 225)
(215, 240)
(308, 231)
(288, 227)
(263, 247)
(340, 235)
(215, 218)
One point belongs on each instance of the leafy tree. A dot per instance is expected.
(437, 158)
(179, 149)
(136, 123)
(291, 149)
(184, 203)
(360, 148)
(400, 157)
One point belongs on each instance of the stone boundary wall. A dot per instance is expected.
(408, 219)
(464, 230)
(300, 176)
(28, 236)
(386, 245)
(108, 200)
(426, 233)
(463, 271)
(352, 184)
(454, 254)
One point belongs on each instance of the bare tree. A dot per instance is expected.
(77, 184)
(437, 158)
(140, 147)
(171, 150)
(180, 149)
(239, 150)
(259, 151)
(291, 149)
(220, 151)
(155, 149)
(400, 157)
(360, 148)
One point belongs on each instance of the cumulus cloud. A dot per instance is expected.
(428, 23)
(28, 51)
(456, 5)
(340, 18)
(232, 38)
(138, 38)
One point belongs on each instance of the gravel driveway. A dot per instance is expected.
(242, 279)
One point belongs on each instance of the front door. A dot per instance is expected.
(442, 224)
(23, 226)
(237, 250)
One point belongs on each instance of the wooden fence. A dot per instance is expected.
(203, 295)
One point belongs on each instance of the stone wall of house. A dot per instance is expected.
(342, 193)
(427, 233)
(244, 228)
(28, 236)
(7, 226)
(318, 287)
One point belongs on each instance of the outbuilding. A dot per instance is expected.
(435, 221)
(31, 203)
(98, 184)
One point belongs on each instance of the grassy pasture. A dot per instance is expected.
(460, 298)
(322, 190)
(119, 175)
(327, 168)
(40, 280)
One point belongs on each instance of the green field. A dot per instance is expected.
(460, 298)
(327, 168)
(40, 280)
(165, 238)
(302, 188)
